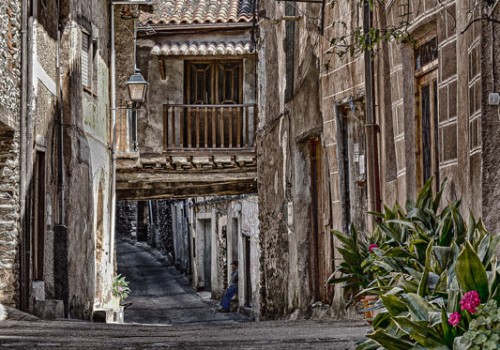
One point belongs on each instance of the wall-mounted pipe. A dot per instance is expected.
(371, 127)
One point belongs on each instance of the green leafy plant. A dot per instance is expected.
(427, 263)
(120, 287)
(350, 273)
(484, 330)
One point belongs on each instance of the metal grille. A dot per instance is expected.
(289, 49)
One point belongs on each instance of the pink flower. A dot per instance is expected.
(371, 247)
(120, 289)
(454, 319)
(470, 301)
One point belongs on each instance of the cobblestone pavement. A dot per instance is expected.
(160, 295)
(249, 335)
(167, 314)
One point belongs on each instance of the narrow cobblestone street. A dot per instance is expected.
(250, 335)
(167, 314)
(160, 294)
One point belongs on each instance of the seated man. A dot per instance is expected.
(231, 290)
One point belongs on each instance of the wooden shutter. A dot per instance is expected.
(85, 60)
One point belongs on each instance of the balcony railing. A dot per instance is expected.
(209, 127)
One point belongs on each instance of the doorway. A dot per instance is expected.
(205, 246)
(247, 281)
(38, 237)
(320, 252)
(352, 166)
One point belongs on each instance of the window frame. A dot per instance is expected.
(91, 52)
(427, 76)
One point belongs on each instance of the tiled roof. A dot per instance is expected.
(198, 11)
(203, 49)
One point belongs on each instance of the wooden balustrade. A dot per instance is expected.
(209, 127)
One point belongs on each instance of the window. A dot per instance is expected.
(214, 82)
(88, 65)
(289, 50)
(86, 54)
(427, 126)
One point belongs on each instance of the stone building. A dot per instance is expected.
(222, 230)
(195, 133)
(201, 236)
(294, 202)
(10, 138)
(60, 252)
(341, 135)
(193, 140)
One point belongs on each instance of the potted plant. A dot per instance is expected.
(120, 289)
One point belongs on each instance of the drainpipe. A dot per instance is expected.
(371, 127)
(60, 148)
(61, 276)
(24, 299)
(113, 134)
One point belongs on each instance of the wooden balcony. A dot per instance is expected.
(209, 129)
(207, 150)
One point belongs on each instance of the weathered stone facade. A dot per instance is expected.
(55, 240)
(163, 153)
(401, 80)
(294, 239)
(10, 106)
(201, 237)
(431, 115)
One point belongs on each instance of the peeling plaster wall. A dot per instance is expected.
(230, 220)
(284, 132)
(83, 250)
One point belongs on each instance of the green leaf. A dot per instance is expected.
(422, 286)
(442, 255)
(389, 342)
(419, 308)
(471, 273)
(368, 344)
(446, 328)
(381, 320)
(422, 334)
(393, 304)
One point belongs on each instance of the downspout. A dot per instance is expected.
(371, 127)
(24, 299)
(113, 135)
(61, 276)
(60, 119)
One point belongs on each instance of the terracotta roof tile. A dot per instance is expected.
(197, 12)
(203, 49)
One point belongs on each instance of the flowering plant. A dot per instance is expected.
(120, 287)
(484, 330)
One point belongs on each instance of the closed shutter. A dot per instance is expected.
(85, 60)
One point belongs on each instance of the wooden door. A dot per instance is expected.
(320, 240)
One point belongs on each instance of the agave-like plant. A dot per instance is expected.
(426, 259)
(350, 272)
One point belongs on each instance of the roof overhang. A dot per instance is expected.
(203, 48)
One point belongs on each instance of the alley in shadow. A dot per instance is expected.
(160, 294)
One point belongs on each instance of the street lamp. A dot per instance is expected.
(137, 87)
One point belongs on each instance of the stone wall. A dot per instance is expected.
(9, 217)
(10, 62)
(10, 92)
(287, 173)
(465, 137)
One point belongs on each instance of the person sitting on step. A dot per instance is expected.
(231, 290)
